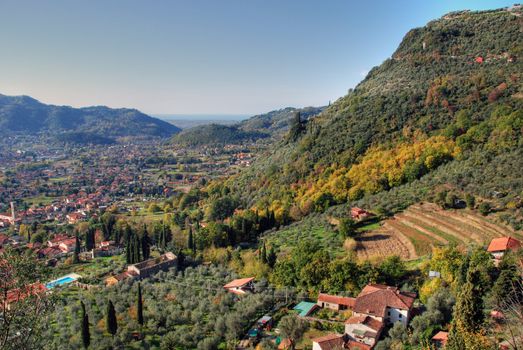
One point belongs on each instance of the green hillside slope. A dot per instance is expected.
(452, 90)
(271, 124)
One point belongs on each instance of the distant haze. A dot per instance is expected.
(186, 121)
(202, 117)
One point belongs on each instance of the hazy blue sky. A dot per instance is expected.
(195, 56)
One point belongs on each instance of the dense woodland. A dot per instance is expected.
(431, 90)
(23, 114)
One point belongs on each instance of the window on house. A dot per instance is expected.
(401, 315)
(388, 313)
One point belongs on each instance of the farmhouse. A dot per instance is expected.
(440, 339)
(49, 253)
(240, 286)
(385, 304)
(498, 246)
(144, 269)
(149, 267)
(364, 329)
(328, 342)
(67, 245)
(335, 302)
(55, 242)
(354, 345)
(114, 280)
(359, 214)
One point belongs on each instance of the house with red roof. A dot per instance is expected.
(499, 246)
(335, 302)
(384, 303)
(240, 286)
(57, 239)
(67, 245)
(364, 329)
(328, 342)
(440, 339)
(359, 214)
(354, 345)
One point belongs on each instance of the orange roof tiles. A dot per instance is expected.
(441, 337)
(238, 283)
(334, 299)
(354, 345)
(503, 244)
(375, 298)
(329, 341)
(367, 321)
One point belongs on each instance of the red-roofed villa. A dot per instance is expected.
(240, 286)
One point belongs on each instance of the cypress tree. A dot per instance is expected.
(89, 238)
(468, 312)
(456, 339)
(110, 319)
(76, 258)
(190, 240)
(271, 257)
(86, 335)
(163, 241)
(128, 252)
(146, 249)
(296, 127)
(139, 306)
(136, 249)
(263, 253)
(244, 228)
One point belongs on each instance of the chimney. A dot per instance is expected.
(13, 212)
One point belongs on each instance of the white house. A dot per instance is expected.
(364, 329)
(498, 246)
(385, 304)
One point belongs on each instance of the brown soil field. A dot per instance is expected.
(415, 231)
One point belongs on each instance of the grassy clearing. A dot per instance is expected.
(313, 229)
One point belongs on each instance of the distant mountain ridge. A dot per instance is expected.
(260, 126)
(25, 114)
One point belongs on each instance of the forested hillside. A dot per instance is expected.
(215, 134)
(274, 123)
(26, 115)
(451, 93)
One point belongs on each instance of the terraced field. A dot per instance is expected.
(415, 231)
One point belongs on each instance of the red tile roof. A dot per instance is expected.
(367, 321)
(354, 345)
(441, 337)
(238, 283)
(375, 298)
(503, 244)
(334, 299)
(329, 341)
